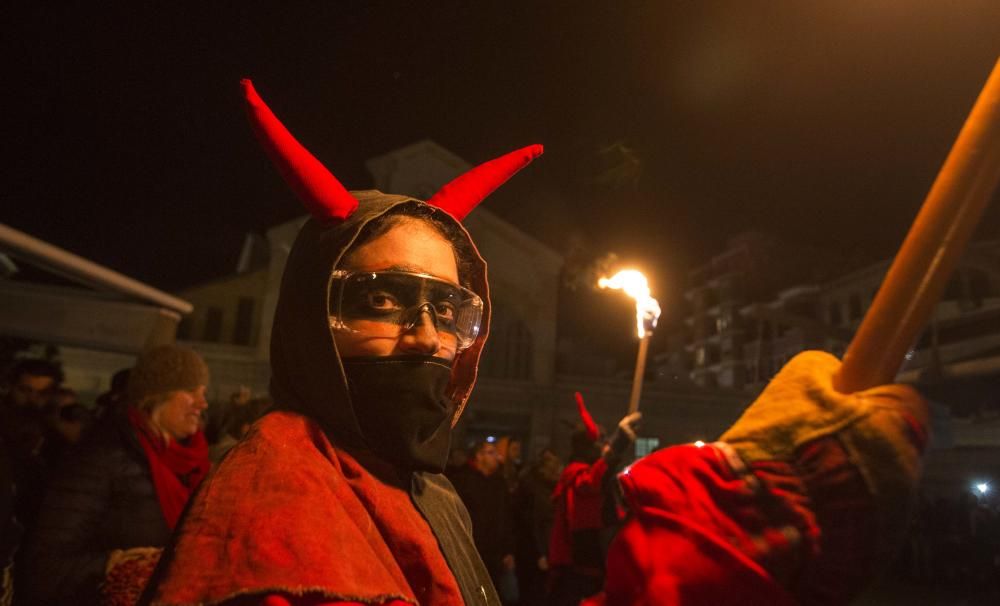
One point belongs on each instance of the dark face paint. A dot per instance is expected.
(399, 299)
(402, 408)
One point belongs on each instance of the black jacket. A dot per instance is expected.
(488, 503)
(100, 500)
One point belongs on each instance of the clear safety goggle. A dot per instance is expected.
(388, 303)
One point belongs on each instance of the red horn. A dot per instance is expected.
(588, 421)
(466, 191)
(324, 197)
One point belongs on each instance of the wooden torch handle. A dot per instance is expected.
(921, 269)
(640, 373)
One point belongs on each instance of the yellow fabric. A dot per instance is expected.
(800, 405)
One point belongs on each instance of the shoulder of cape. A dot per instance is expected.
(267, 519)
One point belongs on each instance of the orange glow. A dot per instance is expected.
(635, 285)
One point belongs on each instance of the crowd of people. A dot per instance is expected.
(543, 530)
(62, 455)
(92, 493)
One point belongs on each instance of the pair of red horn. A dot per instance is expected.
(328, 200)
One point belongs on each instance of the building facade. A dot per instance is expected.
(722, 322)
(750, 311)
(749, 316)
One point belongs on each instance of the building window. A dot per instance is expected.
(954, 291)
(510, 354)
(645, 446)
(725, 322)
(729, 346)
(244, 321)
(979, 286)
(213, 325)
(184, 328)
(836, 317)
(519, 352)
(854, 307)
(712, 355)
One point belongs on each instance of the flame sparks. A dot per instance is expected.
(635, 285)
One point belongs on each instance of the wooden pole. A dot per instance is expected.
(640, 371)
(921, 269)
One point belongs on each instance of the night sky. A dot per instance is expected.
(668, 126)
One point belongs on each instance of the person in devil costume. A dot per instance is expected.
(584, 506)
(336, 497)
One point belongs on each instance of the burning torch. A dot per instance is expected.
(647, 312)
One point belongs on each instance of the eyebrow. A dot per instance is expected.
(416, 269)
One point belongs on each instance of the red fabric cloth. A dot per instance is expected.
(305, 600)
(292, 519)
(699, 533)
(123, 585)
(826, 490)
(578, 500)
(177, 468)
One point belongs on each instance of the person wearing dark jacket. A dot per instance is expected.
(533, 514)
(29, 386)
(10, 529)
(112, 507)
(484, 492)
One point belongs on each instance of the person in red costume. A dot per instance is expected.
(336, 497)
(584, 507)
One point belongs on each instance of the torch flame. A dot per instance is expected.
(634, 284)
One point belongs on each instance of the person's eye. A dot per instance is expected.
(381, 301)
(445, 311)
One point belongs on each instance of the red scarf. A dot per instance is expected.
(177, 468)
(289, 514)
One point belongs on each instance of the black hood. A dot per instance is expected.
(307, 375)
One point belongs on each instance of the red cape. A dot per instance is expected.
(288, 513)
(579, 501)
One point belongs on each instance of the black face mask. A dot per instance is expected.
(402, 408)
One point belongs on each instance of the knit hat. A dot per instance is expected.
(166, 368)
